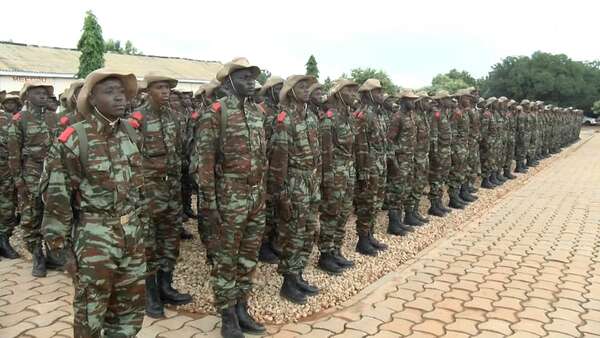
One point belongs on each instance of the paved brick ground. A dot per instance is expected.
(528, 268)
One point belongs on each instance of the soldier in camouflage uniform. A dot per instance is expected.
(500, 141)
(402, 139)
(8, 198)
(511, 131)
(68, 116)
(522, 136)
(231, 169)
(533, 141)
(473, 157)
(96, 165)
(337, 129)
(294, 167)
(270, 247)
(11, 104)
(371, 160)
(29, 138)
(440, 150)
(161, 150)
(489, 133)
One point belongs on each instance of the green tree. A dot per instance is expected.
(130, 49)
(91, 46)
(451, 81)
(327, 85)
(552, 78)
(311, 67)
(264, 75)
(111, 45)
(360, 75)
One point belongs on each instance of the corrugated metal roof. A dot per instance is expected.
(37, 59)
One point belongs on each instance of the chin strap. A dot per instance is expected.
(107, 120)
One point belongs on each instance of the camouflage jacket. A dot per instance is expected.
(5, 119)
(489, 128)
(161, 141)
(402, 135)
(230, 142)
(270, 111)
(371, 142)
(500, 126)
(522, 123)
(475, 125)
(459, 123)
(423, 125)
(294, 144)
(29, 138)
(110, 184)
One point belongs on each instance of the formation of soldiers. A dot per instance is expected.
(102, 188)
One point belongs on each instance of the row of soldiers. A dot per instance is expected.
(276, 169)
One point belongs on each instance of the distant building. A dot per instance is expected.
(58, 66)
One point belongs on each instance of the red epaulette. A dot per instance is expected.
(134, 123)
(329, 114)
(437, 115)
(64, 121)
(195, 115)
(64, 136)
(17, 117)
(281, 117)
(359, 114)
(216, 107)
(138, 116)
(487, 113)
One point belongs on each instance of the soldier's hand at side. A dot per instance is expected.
(70, 261)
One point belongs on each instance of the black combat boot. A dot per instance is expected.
(410, 218)
(154, 306)
(341, 260)
(54, 260)
(418, 215)
(185, 235)
(486, 184)
(395, 225)
(455, 201)
(465, 195)
(434, 210)
(305, 287)
(6, 250)
(39, 261)
(167, 293)
(364, 246)
(508, 174)
(494, 181)
(375, 243)
(328, 264)
(442, 207)
(266, 253)
(520, 168)
(230, 325)
(290, 291)
(247, 323)
(500, 177)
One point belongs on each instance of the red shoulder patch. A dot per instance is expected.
(216, 106)
(195, 115)
(437, 115)
(17, 116)
(281, 117)
(329, 114)
(64, 121)
(138, 116)
(64, 136)
(134, 123)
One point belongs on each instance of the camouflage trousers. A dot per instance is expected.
(31, 207)
(298, 232)
(456, 178)
(440, 161)
(272, 233)
(336, 206)
(164, 210)
(499, 153)
(419, 180)
(532, 150)
(487, 156)
(398, 187)
(473, 161)
(242, 210)
(509, 154)
(521, 147)
(369, 200)
(8, 207)
(109, 285)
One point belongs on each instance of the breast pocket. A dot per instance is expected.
(98, 173)
(154, 145)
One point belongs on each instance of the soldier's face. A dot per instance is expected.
(175, 102)
(52, 105)
(300, 91)
(377, 95)
(275, 90)
(109, 98)
(38, 96)
(243, 82)
(427, 104)
(186, 100)
(11, 106)
(316, 96)
(409, 104)
(465, 101)
(159, 92)
(349, 94)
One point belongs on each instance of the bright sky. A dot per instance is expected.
(412, 41)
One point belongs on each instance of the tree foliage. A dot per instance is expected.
(311, 67)
(327, 85)
(91, 46)
(111, 45)
(263, 76)
(360, 75)
(552, 78)
(451, 81)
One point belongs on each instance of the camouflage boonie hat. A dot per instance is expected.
(481, 99)
(35, 84)
(369, 85)
(153, 77)
(70, 92)
(291, 81)
(270, 83)
(502, 99)
(8, 97)
(314, 87)
(511, 102)
(441, 94)
(490, 100)
(129, 82)
(524, 102)
(341, 84)
(422, 95)
(519, 107)
(462, 92)
(236, 64)
(407, 94)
